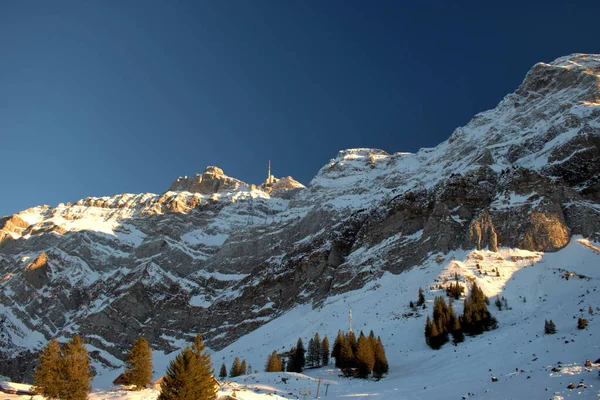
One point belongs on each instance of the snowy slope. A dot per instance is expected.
(517, 353)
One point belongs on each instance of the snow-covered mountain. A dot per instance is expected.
(223, 257)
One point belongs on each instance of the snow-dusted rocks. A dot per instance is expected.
(222, 257)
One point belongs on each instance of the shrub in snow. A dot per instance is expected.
(549, 327)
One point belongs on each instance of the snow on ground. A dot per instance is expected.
(518, 353)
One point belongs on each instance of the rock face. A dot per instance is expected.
(219, 256)
(212, 180)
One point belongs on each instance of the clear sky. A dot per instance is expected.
(105, 97)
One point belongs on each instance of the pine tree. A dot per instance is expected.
(291, 363)
(351, 337)
(138, 364)
(46, 376)
(457, 333)
(582, 323)
(365, 356)
(274, 363)
(318, 351)
(189, 375)
(435, 342)
(235, 368)
(313, 356)
(421, 299)
(243, 368)
(223, 373)
(381, 365)
(299, 358)
(75, 373)
(310, 354)
(335, 352)
(428, 330)
(325, 351)
(346, 355)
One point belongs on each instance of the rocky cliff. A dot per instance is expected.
(219, 256)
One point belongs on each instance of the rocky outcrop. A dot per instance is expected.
(482, 234)
(212, 180)
(36, 272)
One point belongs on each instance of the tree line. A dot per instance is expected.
(353, 356)
(63, 371)
(237, 369)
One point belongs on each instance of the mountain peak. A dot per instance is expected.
(212, 180)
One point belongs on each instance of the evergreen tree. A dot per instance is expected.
(372, 339)
(365, 356)
(138, 364)
(435, 340)
(318, 350)
(46, 376)
(380, 366)
(346, 355)
(235, 368)
(291, 363)
(243, 368)
(457, 333)
(351, 338)
(299, 359)
(274, 363)
(476, 318)
(335, 352)
(582, 323)
(75, 373)
(325, 351)
(421, 299)
(223, 373)
(428, 331)
(313, 356)
(189, 375)
(310, 354)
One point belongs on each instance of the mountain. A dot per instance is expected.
(223, 257)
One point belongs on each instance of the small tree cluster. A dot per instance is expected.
(501, 303)
(318, 352)
(582, 323)
(455, 290)
(189, 375)
(274, 363)
(63, 372)
(444, 323)
(474, 320)
(365, 355)
(238, 368)
(138, 364)
(549, 327)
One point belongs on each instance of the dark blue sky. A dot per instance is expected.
(105, 97)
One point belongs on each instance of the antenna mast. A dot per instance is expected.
(269, 174)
